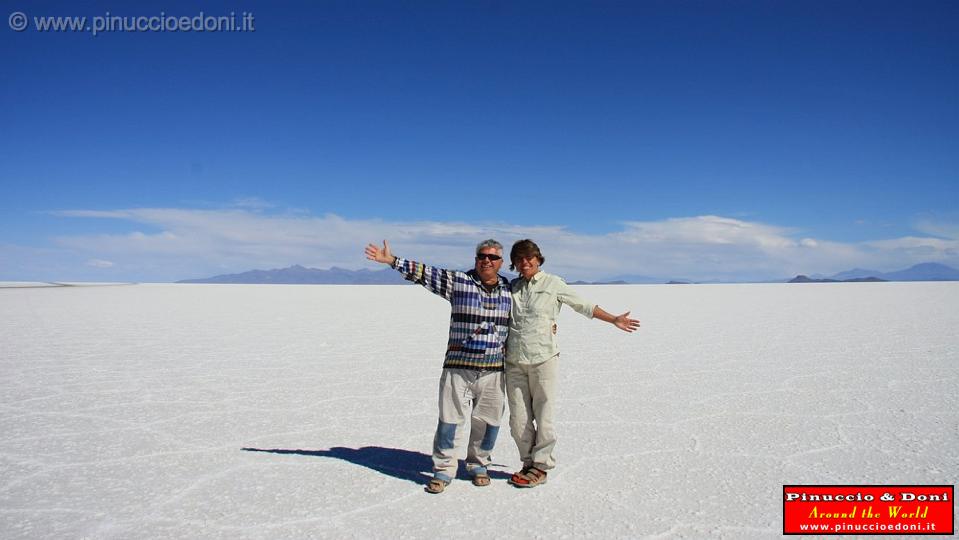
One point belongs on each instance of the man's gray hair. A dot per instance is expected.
(489, 244)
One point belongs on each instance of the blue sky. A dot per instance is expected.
(703, 140)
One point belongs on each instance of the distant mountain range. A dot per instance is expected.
(340, 276)
(301, 275)
(637, 279)
(919, 272)
(806, 279)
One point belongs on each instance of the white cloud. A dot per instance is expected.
(706, 230)
(99, 263)
(914, 242)
(176, 243)
(253, 203)
(938, 228)
(915, 249)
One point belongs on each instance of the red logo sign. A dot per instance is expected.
(860, 510)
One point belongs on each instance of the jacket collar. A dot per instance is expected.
(536, 277)
(500, 280)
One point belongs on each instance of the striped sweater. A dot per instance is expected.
(479, 321)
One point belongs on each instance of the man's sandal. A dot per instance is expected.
(481, 479)
(436, 486)
(532, 478)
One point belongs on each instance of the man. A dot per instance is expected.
(472, 385)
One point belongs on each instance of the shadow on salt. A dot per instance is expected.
(407, 465)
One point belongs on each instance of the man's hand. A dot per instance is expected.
(623, 322)
(375, 253)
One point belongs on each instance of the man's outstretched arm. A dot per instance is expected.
(436, 280)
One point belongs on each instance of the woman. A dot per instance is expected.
(532, 357)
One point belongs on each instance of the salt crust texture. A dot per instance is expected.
(243, 411)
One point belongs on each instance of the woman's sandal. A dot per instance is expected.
(481, 479)
(532, 477)
(519, 476)
(436, 486)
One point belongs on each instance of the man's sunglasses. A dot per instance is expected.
(487, 256)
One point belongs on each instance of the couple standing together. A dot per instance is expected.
(502, 339)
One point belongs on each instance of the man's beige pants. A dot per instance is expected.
(476, 397)
(531, 392)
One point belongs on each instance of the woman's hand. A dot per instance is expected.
(623, 322)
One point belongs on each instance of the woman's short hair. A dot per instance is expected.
(524, 248)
